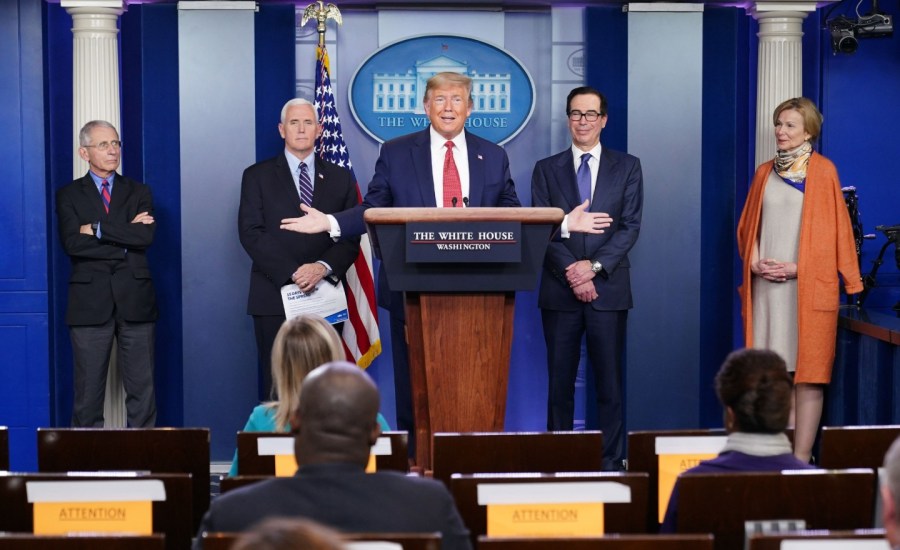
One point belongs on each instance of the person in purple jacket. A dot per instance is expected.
(755, 391)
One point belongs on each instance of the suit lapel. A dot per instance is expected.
(608, 181)
(421, 160)
(284, 182)
(92, 196)
(476, 172)
(319, 186)
(568, 181)
(122, 189)
(608, 184)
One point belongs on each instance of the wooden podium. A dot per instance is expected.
(459, 314)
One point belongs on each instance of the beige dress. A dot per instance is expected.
(775, 303)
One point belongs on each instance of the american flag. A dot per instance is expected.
(362, 342)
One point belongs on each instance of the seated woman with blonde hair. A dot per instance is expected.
(302, 344)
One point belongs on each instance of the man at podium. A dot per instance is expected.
(585, 285)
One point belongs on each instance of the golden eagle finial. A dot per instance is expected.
(321, 12)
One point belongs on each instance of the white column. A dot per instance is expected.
(95, 96)
(95, 66)
(779, 69)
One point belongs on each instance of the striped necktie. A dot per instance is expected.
(104, 194)
(305, 184)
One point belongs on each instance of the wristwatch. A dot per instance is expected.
(596, 266)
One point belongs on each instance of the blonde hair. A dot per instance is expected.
(446, 80)
(812, 118)
(302, 344)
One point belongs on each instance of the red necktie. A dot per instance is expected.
(104, 194)
(452, 187)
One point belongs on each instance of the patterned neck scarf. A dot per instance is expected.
(791, 165)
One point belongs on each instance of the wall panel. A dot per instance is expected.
(24, 365)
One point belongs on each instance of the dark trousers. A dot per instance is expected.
(402, 386)
(265, 327)
(604, 332)
(91, 348)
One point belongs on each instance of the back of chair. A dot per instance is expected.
(854, 538)
(617, 517)
(855, 446)
(11, 541)
(540, 452)
(824, 499)
(171, 517)
(157, 450)
(642, 457)
(232, 483)
(219, 541)
(4, 448)
(616, 542)
(250, 463)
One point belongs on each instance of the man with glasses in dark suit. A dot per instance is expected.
(106, 226)
(585, 289)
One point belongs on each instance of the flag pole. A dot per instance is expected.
(360, 334)
(321, 12)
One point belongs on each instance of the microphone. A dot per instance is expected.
(466, 202)
(453, 202)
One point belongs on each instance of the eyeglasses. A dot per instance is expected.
(115, 144)
(591, 116)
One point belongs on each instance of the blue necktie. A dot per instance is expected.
(306, 189)
(584, 177)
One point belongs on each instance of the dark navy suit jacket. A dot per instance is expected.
(403, 178)
(619, 193)
(344, 497)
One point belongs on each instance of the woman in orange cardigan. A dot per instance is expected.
(794, 237)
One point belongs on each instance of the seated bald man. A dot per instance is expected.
(335, 426)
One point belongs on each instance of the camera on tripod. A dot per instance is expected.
(892, 232)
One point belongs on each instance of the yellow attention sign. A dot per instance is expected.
(286, 465)
(60, 518)
(545, 520)
(670, 467)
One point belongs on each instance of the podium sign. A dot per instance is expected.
(488, 242)
(459, 314)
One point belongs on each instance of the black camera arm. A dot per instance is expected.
(893, 237)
